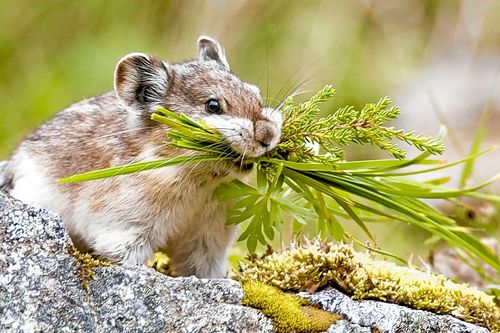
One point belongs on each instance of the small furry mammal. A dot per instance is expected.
(127, 218)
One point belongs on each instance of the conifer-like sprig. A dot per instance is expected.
(346, 125)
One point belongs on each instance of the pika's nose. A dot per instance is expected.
(264, 133)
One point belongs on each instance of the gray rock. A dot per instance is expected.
(387, 317)
(344, 326)
(41, 291)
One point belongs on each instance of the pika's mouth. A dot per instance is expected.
(240, 161)
(243, 165)
(247, 166)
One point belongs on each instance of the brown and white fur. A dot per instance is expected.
(127, 218)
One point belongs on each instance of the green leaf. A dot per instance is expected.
(274, 214)
(476, 146)
(354, 216)
(269, 230)
(379, 251)
(252, 243)
(246, 202)
(333, 225)
(261, 180)
(137, 167)
(249, 231)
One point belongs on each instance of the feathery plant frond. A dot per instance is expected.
(346, 125)
(321, 188)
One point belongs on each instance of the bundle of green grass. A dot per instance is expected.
(317, 186)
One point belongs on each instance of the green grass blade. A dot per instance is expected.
(434, 223)
(136, 167)
(476, 145)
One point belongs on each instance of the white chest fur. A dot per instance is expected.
(128, 218)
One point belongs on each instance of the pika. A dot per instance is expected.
(127, 218)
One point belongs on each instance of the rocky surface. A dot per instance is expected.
(40, 291)
(386, 317)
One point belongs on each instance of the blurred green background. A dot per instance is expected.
(53, 53)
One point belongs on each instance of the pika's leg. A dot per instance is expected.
(203, 252)
(123, 245)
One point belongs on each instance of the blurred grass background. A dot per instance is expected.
(53, 53)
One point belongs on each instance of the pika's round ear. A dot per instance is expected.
(209, 49)
(141, 80)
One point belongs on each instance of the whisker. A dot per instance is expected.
(243, 158)
(292, 93)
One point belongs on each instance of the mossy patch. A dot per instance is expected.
(290, 313)
(311, 266)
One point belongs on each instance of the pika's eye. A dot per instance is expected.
(213, 106)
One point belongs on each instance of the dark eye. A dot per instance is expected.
(213, 106)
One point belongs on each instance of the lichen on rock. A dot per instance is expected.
(86, 265)
(317, 264)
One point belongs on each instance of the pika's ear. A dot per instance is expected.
(209, 49)
(141, 80)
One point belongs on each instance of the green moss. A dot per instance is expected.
(315, 265)
(85, 264)
(290, 313)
